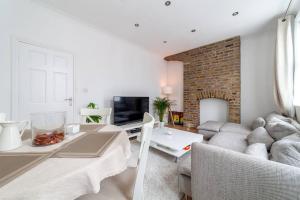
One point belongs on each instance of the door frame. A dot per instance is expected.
(14, 73)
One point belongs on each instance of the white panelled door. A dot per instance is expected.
(44, 81)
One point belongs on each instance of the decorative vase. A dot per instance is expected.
(161, 124)
(48, 128)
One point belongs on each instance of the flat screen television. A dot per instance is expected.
(129, 109)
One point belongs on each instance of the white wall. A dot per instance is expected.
(105, 65)
(257, 70)
(213, 110)
(175, 80)
(257, 62)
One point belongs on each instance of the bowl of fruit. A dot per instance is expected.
(48, 128)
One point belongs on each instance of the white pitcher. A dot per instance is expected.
(2, 117)
(10, 136)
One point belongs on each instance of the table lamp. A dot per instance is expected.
(167, 90)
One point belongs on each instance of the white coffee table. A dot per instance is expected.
(176, 144)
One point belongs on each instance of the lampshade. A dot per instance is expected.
(167, 90)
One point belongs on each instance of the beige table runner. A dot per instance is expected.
(89, 145)
(15, 164)
(70, 178)
(91, 127)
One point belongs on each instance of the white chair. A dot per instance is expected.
(105, 113)
(129, 184)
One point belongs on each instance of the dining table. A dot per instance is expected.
(67, 178)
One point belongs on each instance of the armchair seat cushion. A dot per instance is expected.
(230, 140)
(258, 150)
(211, 126)
(235, 128)
(207, 134)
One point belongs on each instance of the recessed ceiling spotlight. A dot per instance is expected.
(235, 13)
(136, 25)
(165, 42)
(168, 3)
(193, 30)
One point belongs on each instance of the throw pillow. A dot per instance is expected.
(259, 122)
(277, 116)
(279, 129)
(296, 124)
(211, 126)
(258, 150)
(287, 150)
(260, 135)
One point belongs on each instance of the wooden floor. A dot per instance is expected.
(183, 128)
(186, 198)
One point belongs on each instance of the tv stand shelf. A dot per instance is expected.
(131, 127)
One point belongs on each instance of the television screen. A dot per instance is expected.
(129, 109)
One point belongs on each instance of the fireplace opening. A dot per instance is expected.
(213, 109)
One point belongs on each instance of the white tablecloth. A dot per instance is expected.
(69, 178)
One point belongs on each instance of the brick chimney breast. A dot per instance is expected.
(211, 71)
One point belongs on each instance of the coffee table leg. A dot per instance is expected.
(176, 159)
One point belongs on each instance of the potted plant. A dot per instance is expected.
(160, 106)
(95, 118)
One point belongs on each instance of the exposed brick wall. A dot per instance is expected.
(211, 71)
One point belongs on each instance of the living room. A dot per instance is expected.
(216, 68)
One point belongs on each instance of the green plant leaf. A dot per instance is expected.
(160, 106)
(95, 118)
(91, 105)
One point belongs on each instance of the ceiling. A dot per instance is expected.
(212, 19)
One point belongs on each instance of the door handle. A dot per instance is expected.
(70, 100)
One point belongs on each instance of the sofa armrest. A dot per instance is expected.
(219, 174)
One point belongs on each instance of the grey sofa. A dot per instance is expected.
(218, 169)
(219, 174)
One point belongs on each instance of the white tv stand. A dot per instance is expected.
(128, 127)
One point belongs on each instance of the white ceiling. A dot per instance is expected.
(212, 19)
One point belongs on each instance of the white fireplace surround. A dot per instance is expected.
(213, 109)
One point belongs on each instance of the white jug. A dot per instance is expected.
(2, 117)
(10, 136)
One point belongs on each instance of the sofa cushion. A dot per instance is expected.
(229, 140)
(260, 135)
(278, 116)
(258, 150)
(287, 150)
(184, 165)
(279, 128)
(295, 124)
(258, 122)
(235, 128)
(211, 126)
(207, 134)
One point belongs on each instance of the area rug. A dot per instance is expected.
(161, 180)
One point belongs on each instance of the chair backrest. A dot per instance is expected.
(105, 113)
(148, 123)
